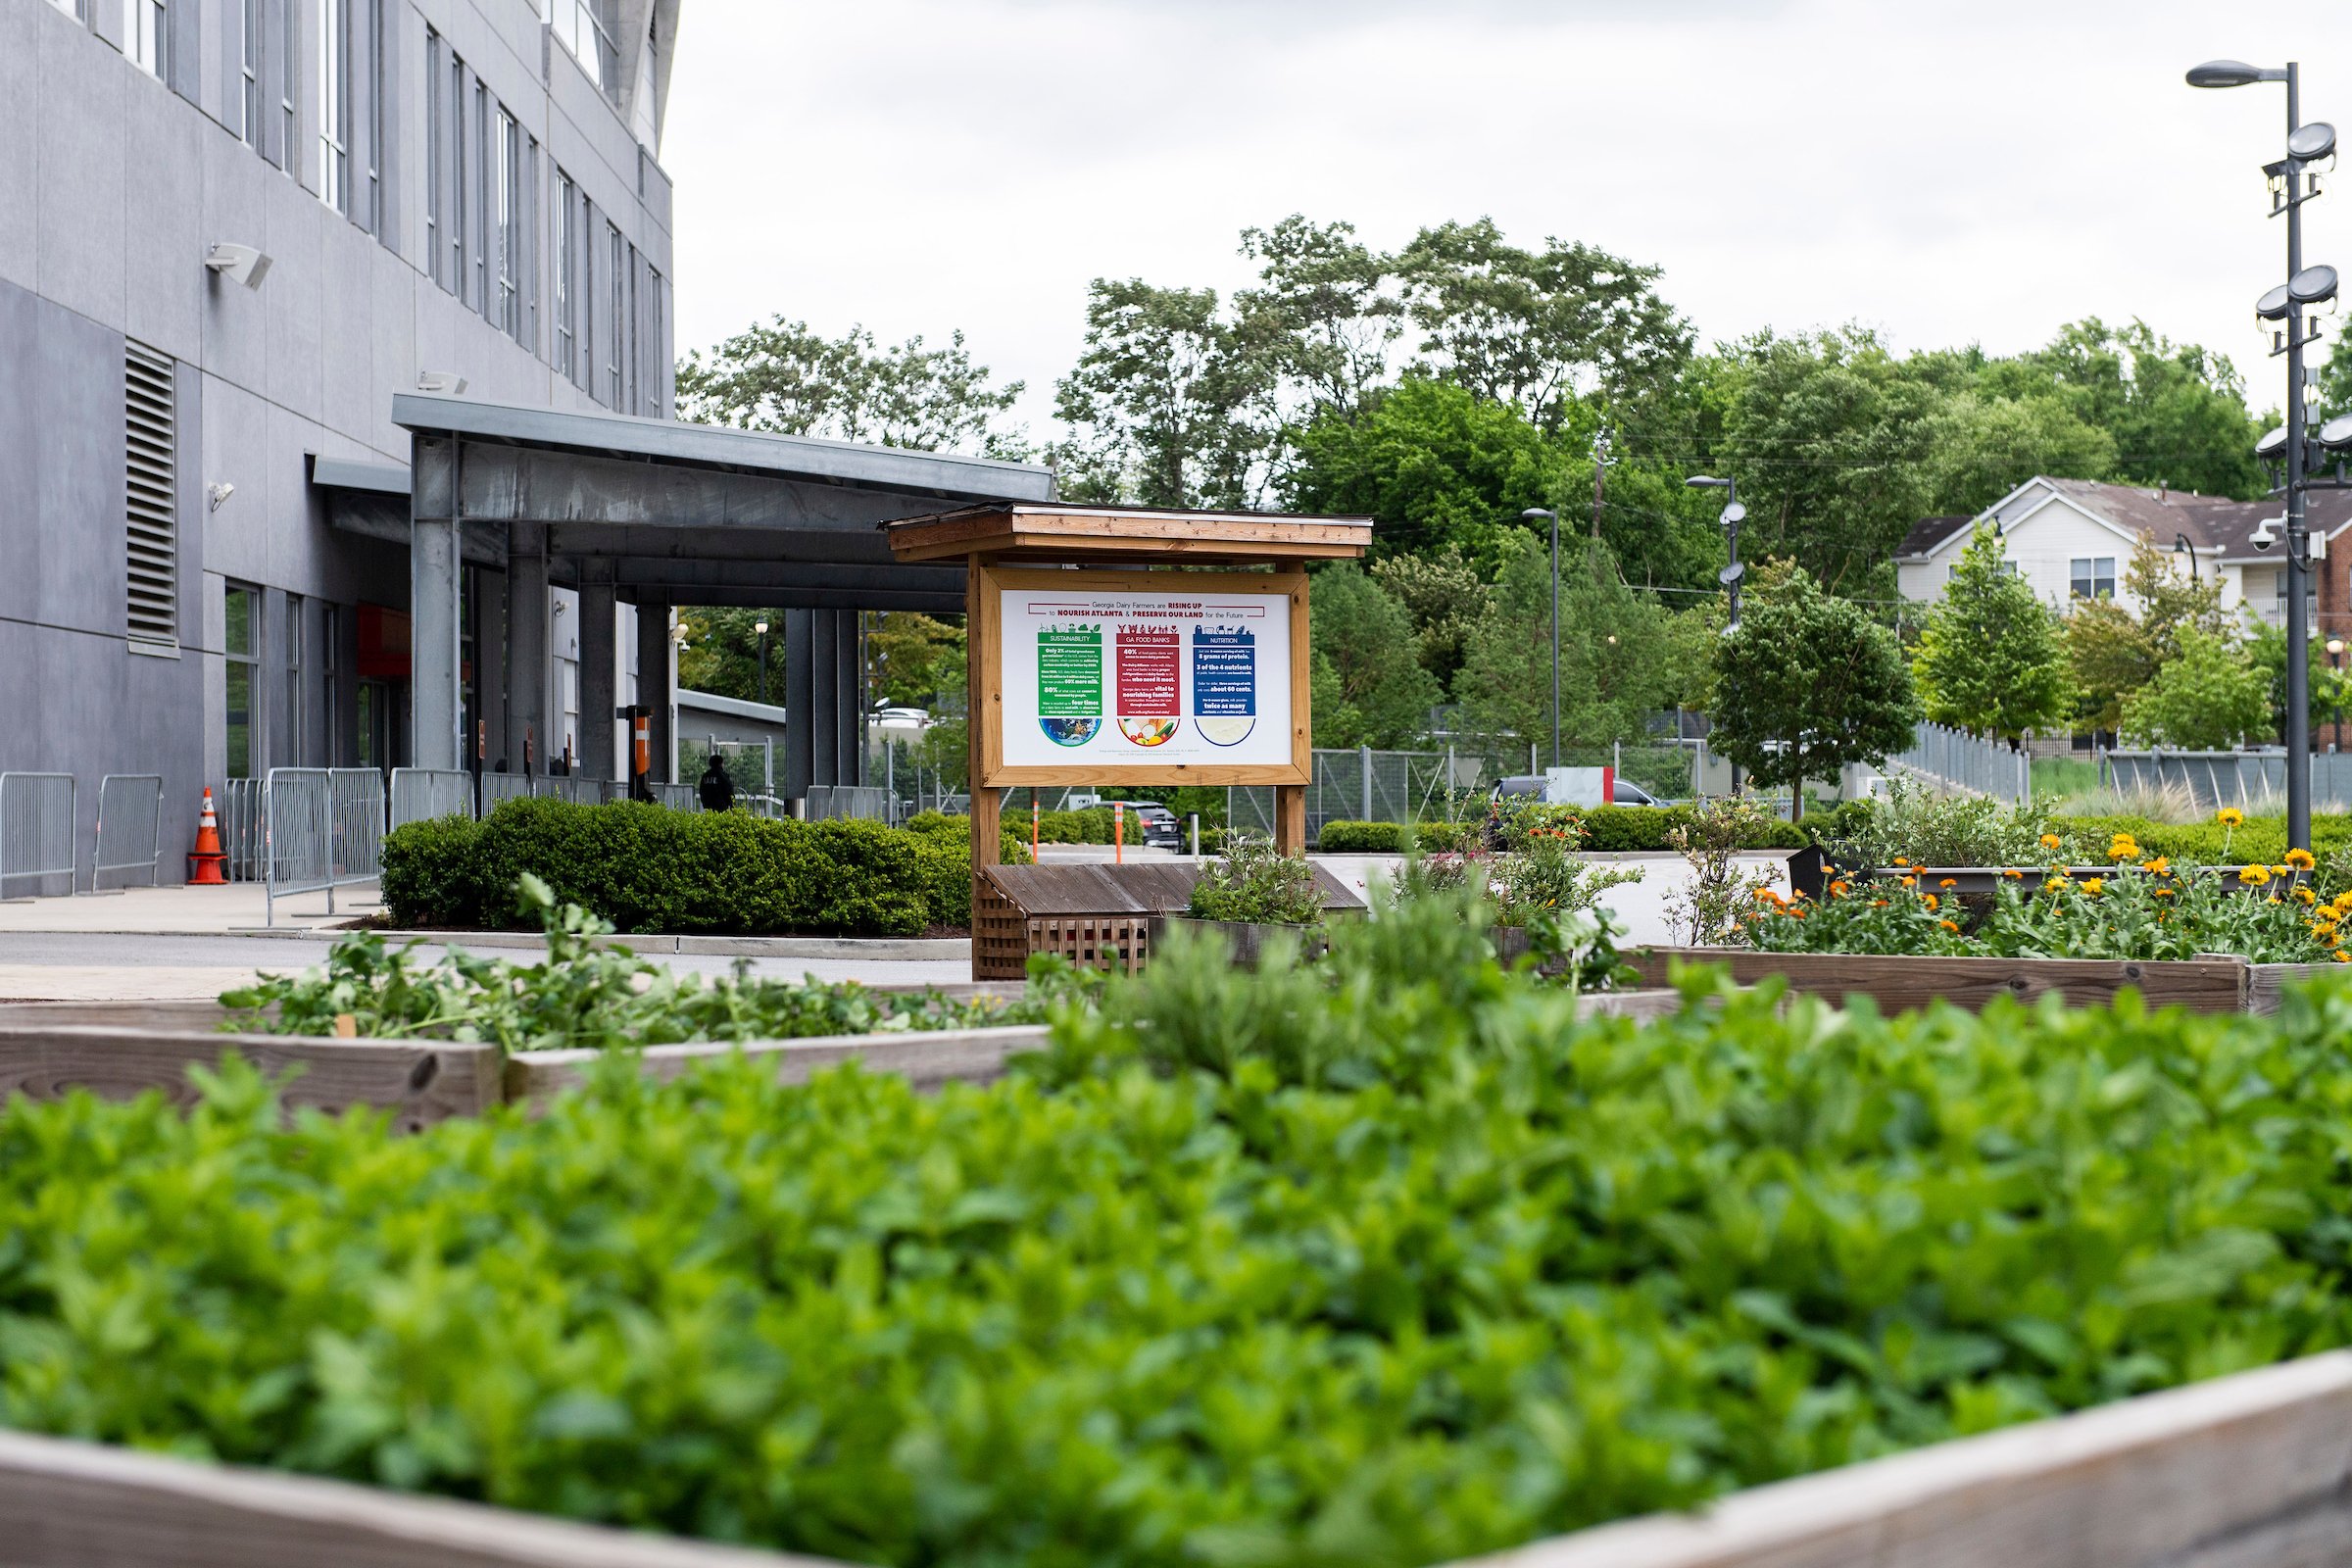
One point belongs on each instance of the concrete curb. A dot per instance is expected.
(880, 950)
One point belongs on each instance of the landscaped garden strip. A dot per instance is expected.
(1392, 1259)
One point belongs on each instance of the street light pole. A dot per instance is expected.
(1545, 512)
(2292, 188)
(760, 627)
(1733, 515)
(2335, 662)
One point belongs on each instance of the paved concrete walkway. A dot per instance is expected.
(238, 907)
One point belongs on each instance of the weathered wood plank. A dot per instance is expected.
(66, 1505)
(2197, 1476)
(2201, 984)
(926, 1058)
(419, 1082)
(2265, 981)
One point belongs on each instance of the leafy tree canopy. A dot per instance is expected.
(2209, 697)
(1809, 683)
(779, 375)
(1369, 688)
(1617, 651)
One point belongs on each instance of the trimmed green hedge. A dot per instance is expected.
(2207, 843)
(647, 868)
(1389, 838)
(1623, 829)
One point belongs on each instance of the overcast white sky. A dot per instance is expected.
(1945, 171)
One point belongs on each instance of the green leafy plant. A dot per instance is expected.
(1546, 878)
(583, 992)
(1254, 882)
(1703, 910)
(1923, 828)
(1396, 1258)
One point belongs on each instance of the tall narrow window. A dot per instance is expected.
(618, 310)
(633, 360)
(479, 214)
(456, 177)
(584, 27)
(150, 430)
(330, 672)
(434, 157)
(289, 84)
(249, 83)
(644, 121)
(507, 156)
(567, 280)
(143, 34)
(371, 195)
(656, 385)
(335, 104)
(528, 260)
(241, 651)
(291, 750)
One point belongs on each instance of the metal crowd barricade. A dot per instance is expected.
(825, 803)
(678, 797)
(298, 836)
(499, 788)
(358, 794)
(36, 829)
(568, 787)
(422, 793)
(238, 805)
(130, 819)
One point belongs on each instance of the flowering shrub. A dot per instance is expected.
(2145, 908)
(1548, 877)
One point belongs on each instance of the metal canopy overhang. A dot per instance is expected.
(686, 514)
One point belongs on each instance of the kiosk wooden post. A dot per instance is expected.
(1108, 707)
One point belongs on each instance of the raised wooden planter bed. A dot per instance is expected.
(2240, 1472)
(119, 1049)
(2215, 984)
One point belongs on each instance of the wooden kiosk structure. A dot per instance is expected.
(1133, 646)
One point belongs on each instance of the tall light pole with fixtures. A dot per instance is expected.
(760, 627)
(2335, 664)
(2181, 547)
(1733, 515)
(2292, 183)
(1545, 512)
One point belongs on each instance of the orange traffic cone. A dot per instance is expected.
(206, 863)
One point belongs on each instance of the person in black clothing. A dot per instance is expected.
(718, 790)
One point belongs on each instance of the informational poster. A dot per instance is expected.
(1117, 679)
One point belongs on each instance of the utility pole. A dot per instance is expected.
(1600, 465)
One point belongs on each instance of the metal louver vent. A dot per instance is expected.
(151, 494)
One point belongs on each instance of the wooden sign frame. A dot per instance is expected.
(985, 630)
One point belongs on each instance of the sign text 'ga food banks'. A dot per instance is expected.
(1146, 678)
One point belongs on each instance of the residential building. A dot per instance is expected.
(208, 527)
(2073, 539)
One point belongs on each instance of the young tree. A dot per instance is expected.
(1990, 660)
(2208, 697)
(1377, 692)
(2108, 656)
(1809, 683)
(911, 658)
(781, 376)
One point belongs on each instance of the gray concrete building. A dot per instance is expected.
(234, 230)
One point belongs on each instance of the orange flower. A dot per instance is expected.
(2160, 866)
(1878, 903)
(1929, 898)
(1839, 890)
(1910, 881)
(1948, 926)
(1948, 882)
(2341, 957)
(2013, 873)
(1899, 860)
(2163, 892)
(2050, 841)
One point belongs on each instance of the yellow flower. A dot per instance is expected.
(2056, 884)
(2229, 816)
(2343, 901)
(2163, 892)
(2300, 860)
(2305, 896)
(2050, 841)
(1948, 926)
(1929, 898)
(2094, 885)
(2341, 957)
(2254, 876)
(2280, 870)
(2160, 866)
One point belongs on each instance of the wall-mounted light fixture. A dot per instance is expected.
(239, 264)
(447, 383)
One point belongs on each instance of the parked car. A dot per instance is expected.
(1522, 786)
(1151, 824)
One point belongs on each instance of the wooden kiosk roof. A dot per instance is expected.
(1060, 531)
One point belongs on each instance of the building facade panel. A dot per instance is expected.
(117, 179)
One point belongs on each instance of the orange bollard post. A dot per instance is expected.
(1033, 828)
(1118, 832)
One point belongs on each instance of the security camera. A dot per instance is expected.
(2265, 533)
(446, 382)
(239, 264)
(217, 493)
